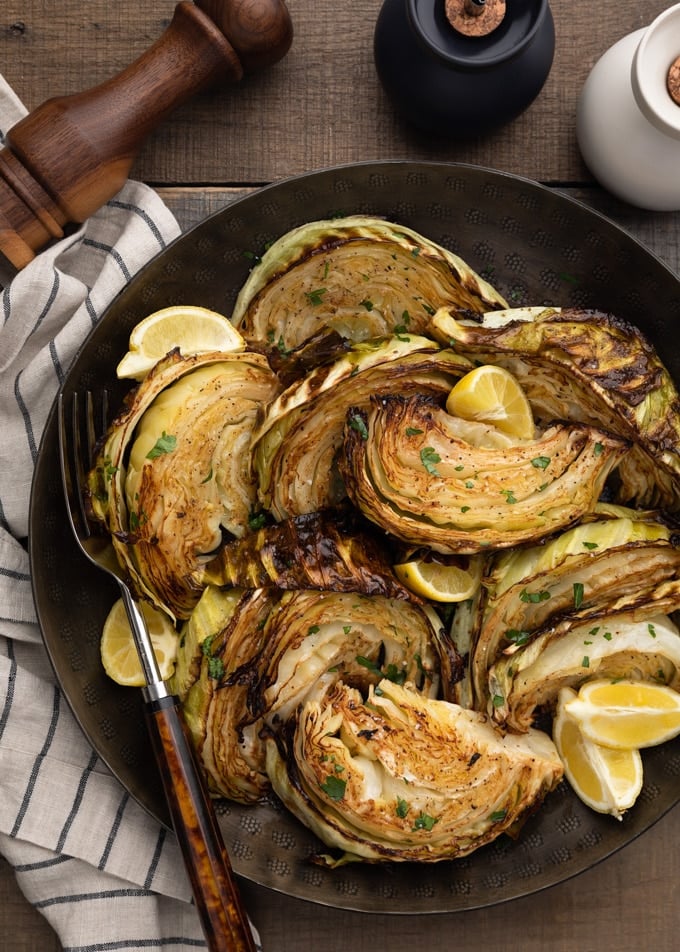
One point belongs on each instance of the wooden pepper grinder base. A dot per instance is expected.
(73, 153)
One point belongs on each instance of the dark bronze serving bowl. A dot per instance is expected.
(536, 247)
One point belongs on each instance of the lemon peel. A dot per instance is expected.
(626, 714)
(119, 652)
(440, 582)
(607, 780)
(492, 395)
(193, 329)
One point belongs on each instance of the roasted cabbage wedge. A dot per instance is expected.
(588, 567)
(590, 367)
(359, 276)
(322, 637)
(398, 776)
(332, 550)
(175, 470)
(632, 638)
(216, 671)
(408, 470)
(296, 445)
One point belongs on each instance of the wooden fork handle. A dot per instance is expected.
(72, 154)
(223, 917)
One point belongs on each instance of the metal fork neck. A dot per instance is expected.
(155, 686)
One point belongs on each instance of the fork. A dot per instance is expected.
(223, 918)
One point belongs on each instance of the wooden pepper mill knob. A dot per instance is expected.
(73, 153)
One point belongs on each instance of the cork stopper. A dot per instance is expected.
(475, 17)
(673, 81)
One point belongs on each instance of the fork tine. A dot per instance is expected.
(66, 458)
(96, 422)
(90, 428)
(79, 460)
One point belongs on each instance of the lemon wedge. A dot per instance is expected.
(439, 582)
(195, 330)
(118, 650)
(606, 780)
(626, 714)
(490, 394)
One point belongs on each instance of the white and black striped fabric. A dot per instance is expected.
(85, 854)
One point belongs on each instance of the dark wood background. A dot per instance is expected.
(323, 106)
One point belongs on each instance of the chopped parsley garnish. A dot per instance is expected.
(357, 423)
(281, 346)
(429, 458)
(534, 598)
(578, 594)
(498, 815)
(510, 497)
(517, 636)
(367, 304)
(315, 297)
(334, 787)
(215, 664)
(215, 668)
(137, 519)
(590, 545)
(368, 663)
(395, 674)
(424, 822)
(402, 808)
(256, 520)
(165, 443)
(413, 431)
(392, 673)
(540, 462)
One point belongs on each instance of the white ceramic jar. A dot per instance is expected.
(627, 122)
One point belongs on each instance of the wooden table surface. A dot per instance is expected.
(322, 106)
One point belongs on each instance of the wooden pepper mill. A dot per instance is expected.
(73, 153)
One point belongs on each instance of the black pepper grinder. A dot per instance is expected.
(463, 68)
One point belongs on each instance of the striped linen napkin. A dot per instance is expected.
(92, 861)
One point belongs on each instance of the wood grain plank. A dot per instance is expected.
(321, 106)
